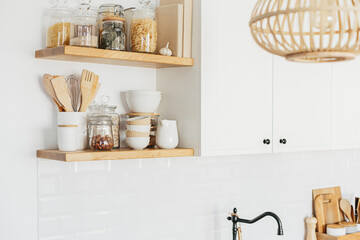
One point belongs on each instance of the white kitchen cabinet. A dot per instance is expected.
(236, 83)
(302, 106)
(346, 105)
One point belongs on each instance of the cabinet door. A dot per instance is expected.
(302, 106)
(346, 105)
(236, 82)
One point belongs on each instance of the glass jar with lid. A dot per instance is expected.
(100, 133)
(109, 10)
(58, 25)
(112, 34)
(84, 30)
(143, 29)
(106, 110)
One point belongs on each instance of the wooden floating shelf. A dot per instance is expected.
(94, 55)
(121, 154)
(322, 236)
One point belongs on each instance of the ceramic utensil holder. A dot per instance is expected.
(67, 138)
(79, 119)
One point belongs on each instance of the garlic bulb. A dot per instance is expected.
(166, 50)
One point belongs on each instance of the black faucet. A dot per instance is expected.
(235, 219)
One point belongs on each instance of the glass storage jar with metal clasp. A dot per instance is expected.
(100, 133)
(104, 109)
(112, 34)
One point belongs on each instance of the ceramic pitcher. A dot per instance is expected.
(167, 134)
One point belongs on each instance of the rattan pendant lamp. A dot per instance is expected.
(308, 30)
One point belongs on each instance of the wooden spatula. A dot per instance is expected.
(345, 206)
(50, 90)
(89, 83)
(62, 93)
(320, 214)
(358, 211)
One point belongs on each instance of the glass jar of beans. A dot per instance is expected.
(100, 133)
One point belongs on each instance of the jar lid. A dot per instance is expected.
(113, 18)
(104, 107)
(84, 10)
(111, 8)
(100, 120)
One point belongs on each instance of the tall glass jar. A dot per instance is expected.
(100, 133)
(112, 34)
(104, 109)
(143, 29)
(58, 25)
(84, 30)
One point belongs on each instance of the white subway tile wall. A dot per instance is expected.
(187, 198)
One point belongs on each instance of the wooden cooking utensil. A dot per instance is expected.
(62, 93)
(358, 211)
(89, 84)
(50, 90)
(345, 206)
(353, 213)
(96, 91)
(334, 190)
(326, 210)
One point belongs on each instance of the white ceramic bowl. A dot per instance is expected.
(143, 105)
(143, 93)
(138, 143)
(138, 128)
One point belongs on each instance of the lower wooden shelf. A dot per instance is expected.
(121, 154)
(322, 236)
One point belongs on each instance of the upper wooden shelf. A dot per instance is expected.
(121, 154)
(94, 55)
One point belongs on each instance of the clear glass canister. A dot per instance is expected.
(109, 10)
(143, 29)
(104, 109)
(100, 133)
(112, 34)
(84, 29)
(58, 25)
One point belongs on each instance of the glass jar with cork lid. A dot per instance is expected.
(58, 25)
(84, 29)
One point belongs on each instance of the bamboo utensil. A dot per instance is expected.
(50, 90)
(326, 210)
(89, 83)
(358, 211)
(62, 93)
(345, 206)
(353, 213)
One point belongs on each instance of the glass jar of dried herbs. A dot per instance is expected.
(112, 34)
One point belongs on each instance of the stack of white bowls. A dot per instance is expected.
(138, 132)
(143, 101)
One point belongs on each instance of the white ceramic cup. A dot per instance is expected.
(76, 118)
(358, 227)
(67, 138)
(167, 134)
(335, 231)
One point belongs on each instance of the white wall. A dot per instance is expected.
(187, 198)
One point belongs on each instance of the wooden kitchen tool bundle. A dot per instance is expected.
(329, 208)
(71, 95)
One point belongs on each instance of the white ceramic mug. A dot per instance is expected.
(67, 138)
(76, 118)
(167, 134)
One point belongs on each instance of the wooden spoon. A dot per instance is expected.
(89, 83)
(358, 211)
(345, 206)
(50, 90)
(62, 93)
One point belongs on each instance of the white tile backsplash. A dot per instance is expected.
(187, 198)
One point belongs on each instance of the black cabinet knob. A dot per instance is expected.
(283, 141)
(267, 141)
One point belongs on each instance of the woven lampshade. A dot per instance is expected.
(308, 30)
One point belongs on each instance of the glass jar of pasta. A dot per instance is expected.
(58, 25)
(143, 29)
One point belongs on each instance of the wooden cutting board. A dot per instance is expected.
(170, 20)
(327, 210)
(334, 190)
(187, 26)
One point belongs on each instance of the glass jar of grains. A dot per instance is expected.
(143, 29)
(100, 133)
(106, 110)
(112, 34)
(58, 25)
(84, 30)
